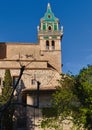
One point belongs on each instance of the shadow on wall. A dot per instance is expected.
(19, 117)
(2, 50)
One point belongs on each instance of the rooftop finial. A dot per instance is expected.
(48, 5)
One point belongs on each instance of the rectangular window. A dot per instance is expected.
(55, 26)
(19, 86)
(44, 27)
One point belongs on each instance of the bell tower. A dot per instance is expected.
(50, 36)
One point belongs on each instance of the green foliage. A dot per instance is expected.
(7, 114)
(7, 118)
(7, 87)
(51, 123)
(72, 101)
(64, 98)
(84, 92)
(64, 103)
(7, 78)
(49, 112)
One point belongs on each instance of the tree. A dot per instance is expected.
(6, 93)
(65, 104)
(7, 86)
(72, 100)
(6, 106)
(84, 93)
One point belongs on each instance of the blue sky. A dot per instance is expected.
(19, 20)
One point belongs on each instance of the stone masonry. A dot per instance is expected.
(43, 63)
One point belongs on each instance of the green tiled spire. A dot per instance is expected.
(49, 25)
(49, 15)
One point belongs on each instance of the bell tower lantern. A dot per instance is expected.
(49, 36)
(49, 31)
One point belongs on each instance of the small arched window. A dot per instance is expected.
(49, 28)
(47, 45)
(53, 45)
